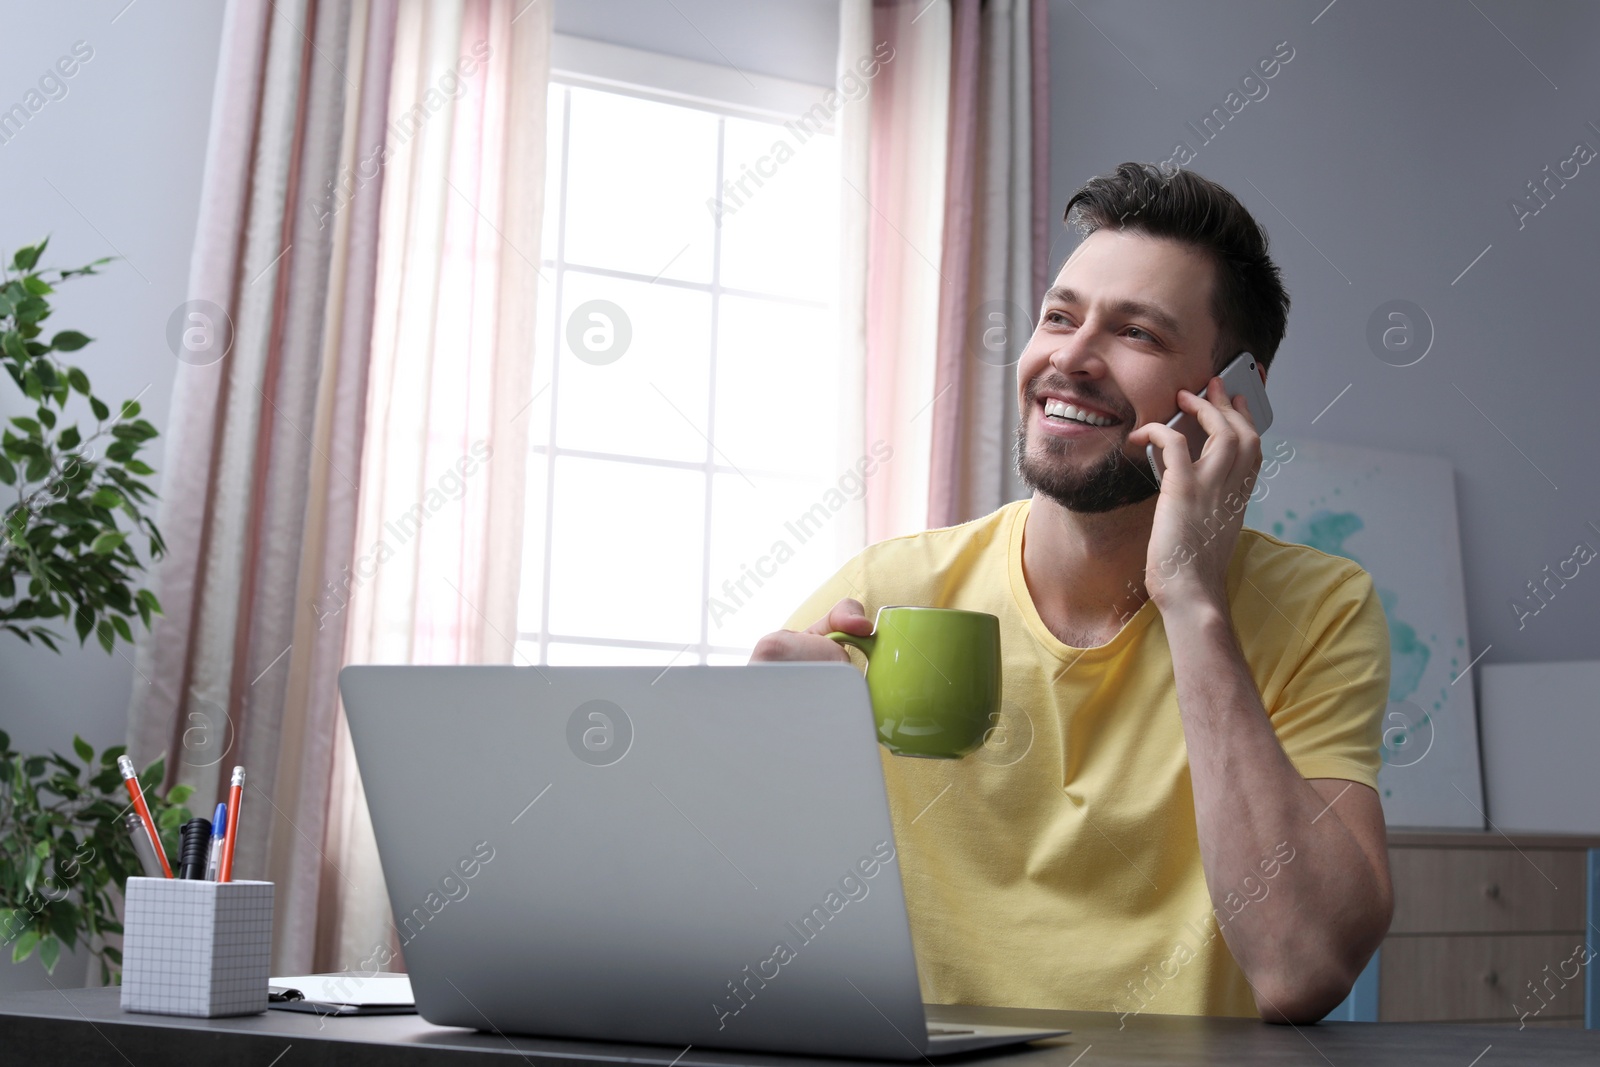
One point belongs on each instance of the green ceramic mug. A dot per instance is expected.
(934, 678)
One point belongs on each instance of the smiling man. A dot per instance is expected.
(1177, 812)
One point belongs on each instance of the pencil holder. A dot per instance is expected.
(193, 947)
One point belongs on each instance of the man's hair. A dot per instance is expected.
(1248, 301)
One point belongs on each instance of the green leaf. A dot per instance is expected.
(106, 498)
(106, 635)
(68, 439)
(37, 285)
(11, 344)
(49, 952)
(108, 542)
(69, 341)
(8, 473)
(179, 793)
(27, 256)
(25, 946)
(99, 408)
(64, 920)
(84, 750)
(121, 625)
(78, 380)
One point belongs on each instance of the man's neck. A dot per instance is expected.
(1085, 571)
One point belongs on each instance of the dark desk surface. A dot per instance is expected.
(85, 1027)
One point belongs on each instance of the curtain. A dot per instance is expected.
(893, 150)
(945, 200)
(994, 253)
(361, 304)
(438, 551)
(258, 465)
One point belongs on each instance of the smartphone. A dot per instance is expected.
(1242, 376)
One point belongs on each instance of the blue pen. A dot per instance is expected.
(219, 823)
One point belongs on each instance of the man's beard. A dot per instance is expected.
(1114, 482)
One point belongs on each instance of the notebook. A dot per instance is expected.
(343, 994)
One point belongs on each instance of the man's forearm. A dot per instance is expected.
(1301, 942)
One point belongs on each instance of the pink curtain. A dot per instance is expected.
(257, 467)
(945, 215)
(894, 148)
(439, 544)
(994, 253)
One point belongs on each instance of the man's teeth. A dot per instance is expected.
(1076, 414)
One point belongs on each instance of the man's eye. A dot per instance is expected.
(1056, 318)
(1142, 333)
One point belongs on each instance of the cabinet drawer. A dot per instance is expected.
(1486, 890)
(1444, 979)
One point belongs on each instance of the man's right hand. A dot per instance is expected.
(813, 644)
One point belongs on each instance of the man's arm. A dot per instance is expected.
(1303, 944)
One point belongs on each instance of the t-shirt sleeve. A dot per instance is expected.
(1329, 713)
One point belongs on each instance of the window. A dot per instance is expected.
(686, 383)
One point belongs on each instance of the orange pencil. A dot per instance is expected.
(131, 780)
(235, 794)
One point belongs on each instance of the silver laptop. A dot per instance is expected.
(697, 856)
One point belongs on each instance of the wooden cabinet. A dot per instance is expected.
(1488, 928)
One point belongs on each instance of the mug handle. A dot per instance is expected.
(863, 643)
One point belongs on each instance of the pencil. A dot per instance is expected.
(131, 780)
(235, 794)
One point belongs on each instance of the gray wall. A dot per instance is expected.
(124, 147)
(1393, 140)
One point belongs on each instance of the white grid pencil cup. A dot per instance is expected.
(192, 947)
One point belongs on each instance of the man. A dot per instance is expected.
(1190, 742)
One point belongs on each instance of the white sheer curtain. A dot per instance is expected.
(438, 549)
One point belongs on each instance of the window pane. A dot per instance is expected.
(771, 547)
(540, 393)
(652, 399)
(555, 111)
(777, 387)
(640, 174)
(780, 236)
(530, 598)
(627, 552)
(567, 654)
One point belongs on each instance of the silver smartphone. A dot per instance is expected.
(1242, 376)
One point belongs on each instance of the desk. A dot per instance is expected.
(85, 1028)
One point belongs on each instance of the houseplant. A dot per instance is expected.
(67, 560)
(65, 852)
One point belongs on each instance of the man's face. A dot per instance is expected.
(1127, 324)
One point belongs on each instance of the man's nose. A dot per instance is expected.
(1081, 353)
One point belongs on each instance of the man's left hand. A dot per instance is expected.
(1200, 509)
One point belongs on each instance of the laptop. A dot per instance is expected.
(692, 856)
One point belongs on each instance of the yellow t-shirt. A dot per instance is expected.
(1059, 866)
